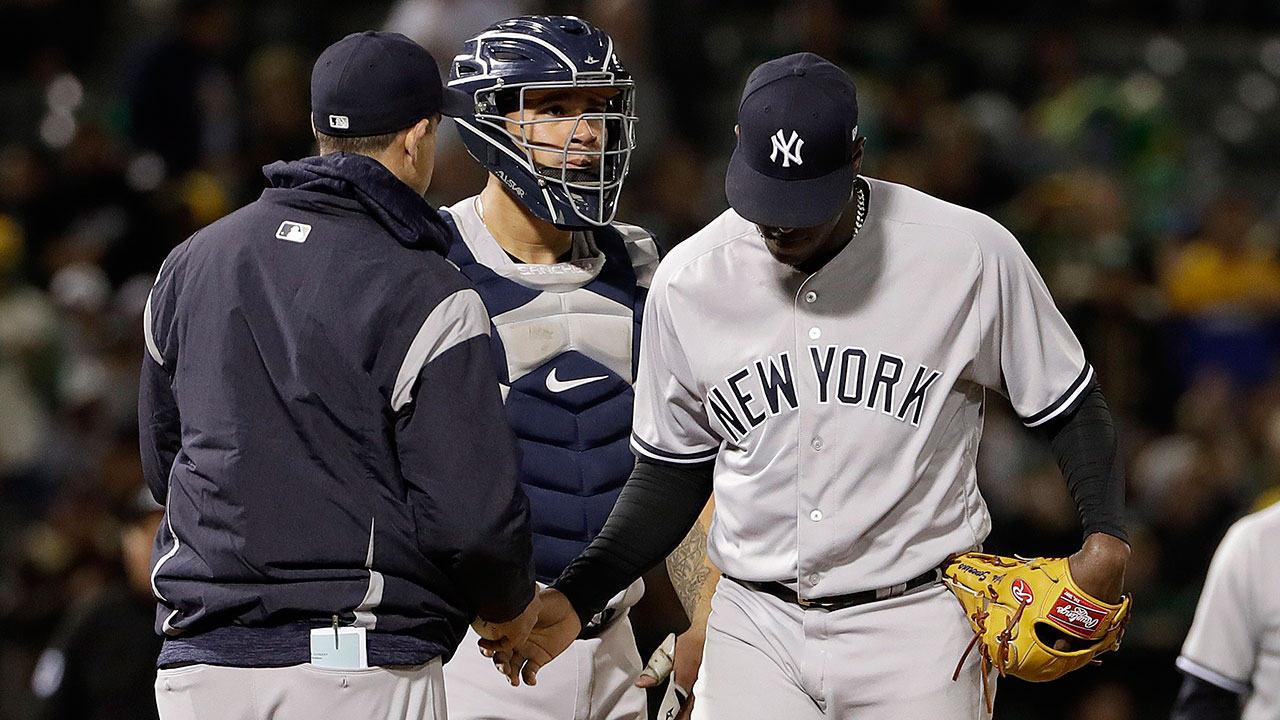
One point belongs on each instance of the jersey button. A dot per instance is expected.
(816, 444)
(811, 297)
(814, 333)
(816, 515)
(814, 578)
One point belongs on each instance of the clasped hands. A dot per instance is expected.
(521, 646)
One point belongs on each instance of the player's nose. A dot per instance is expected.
(585, 131)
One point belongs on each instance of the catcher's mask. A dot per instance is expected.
(511, 58)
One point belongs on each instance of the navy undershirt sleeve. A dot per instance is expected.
(1084, 444)
(1201, 700)
(654, 512)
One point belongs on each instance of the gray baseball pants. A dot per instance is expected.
(766, 658)
(301, 692)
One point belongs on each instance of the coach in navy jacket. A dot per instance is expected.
(321, 419)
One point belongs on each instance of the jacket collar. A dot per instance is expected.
(410, 219)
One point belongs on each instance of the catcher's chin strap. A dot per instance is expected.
(979, 618)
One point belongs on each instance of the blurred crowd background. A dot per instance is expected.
(1132, 147)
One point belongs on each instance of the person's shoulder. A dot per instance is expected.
(211, 243)
(642, 248)
(904, 205)
(462, 218)
(1262, 524)
(276, 216)
(638, 240)
(413, 275)
(469, 240)
(425, 270)
(235, 225)
(716, 238)
(1246, 544)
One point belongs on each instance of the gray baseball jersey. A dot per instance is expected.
(1234, 642)
(844, 408)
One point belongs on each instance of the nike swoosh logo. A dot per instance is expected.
(557, 385)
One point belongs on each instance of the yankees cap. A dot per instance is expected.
(797, 126)
(372, 83)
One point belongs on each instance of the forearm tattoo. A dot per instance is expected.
(687, 567)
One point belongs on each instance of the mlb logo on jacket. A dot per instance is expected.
(293, 231)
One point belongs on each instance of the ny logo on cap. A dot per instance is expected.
(790, 148)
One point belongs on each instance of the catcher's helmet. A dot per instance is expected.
(509, 58)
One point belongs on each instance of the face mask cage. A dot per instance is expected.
(592, 190)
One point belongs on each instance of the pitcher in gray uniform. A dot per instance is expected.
(820, 354)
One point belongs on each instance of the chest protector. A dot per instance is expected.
(565, 352)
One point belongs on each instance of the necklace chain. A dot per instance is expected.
(483, 221)
(862, 209)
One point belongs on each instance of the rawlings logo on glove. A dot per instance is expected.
(1075, 614)
(1021, 609)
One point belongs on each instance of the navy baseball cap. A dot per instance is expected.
(373, 83)
(797, 127)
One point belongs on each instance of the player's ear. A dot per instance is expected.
(858, 146)
(414, 136)
(736, 133)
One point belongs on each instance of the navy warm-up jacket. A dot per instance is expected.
(320, 416)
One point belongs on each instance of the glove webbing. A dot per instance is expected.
(1005, 637)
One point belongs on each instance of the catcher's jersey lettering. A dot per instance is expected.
(843, 409)
(766, 387)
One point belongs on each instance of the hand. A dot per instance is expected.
(680, 658)
(1098, 568)
(689, 655)
(660, 664)
(512, 632)
(556, 628)
(685, 660)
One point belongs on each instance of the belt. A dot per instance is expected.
(839, 602)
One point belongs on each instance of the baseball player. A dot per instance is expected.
(819, 354)
(565, 288)
(1231, 659)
